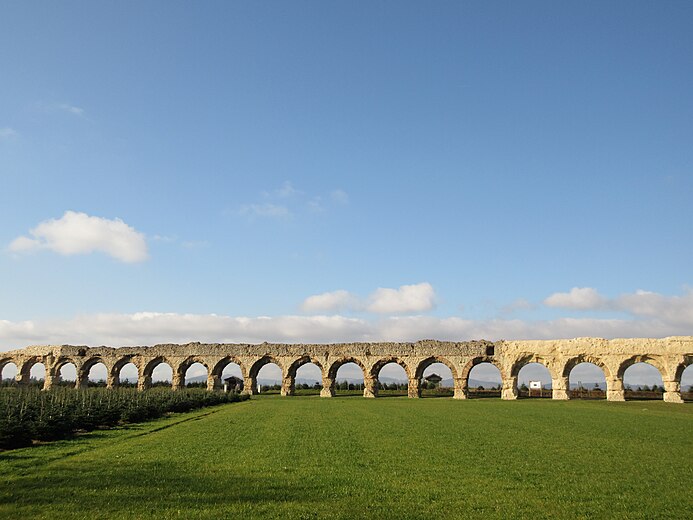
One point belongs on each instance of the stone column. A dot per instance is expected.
(178, 381)
(144, 382)
(560, 388)
(460, 388)
(414, 388)
(327, 387)
(614, 390)
(370, 387)
(288, 386)
(509, 391)
(672, 392)
(249, 386)
(20, 379)
(80, 380)
(112, 380)
(49, 380)
(213, 382)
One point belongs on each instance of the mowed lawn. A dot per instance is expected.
(349, 457)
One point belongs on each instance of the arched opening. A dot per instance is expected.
(67, 375)
(37, 374)
(686, 381)
(162, 375)
(266, 376)
(8, 373)
(436, 378)
(305, 378)
(586, 381)
(231, 377)
(484, 380)
(347, 378)
(196, 375)
(642, 381)
(534, 380)
(128, 375)
(97, 375)
(392, 378)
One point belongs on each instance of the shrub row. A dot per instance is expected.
(28, 414)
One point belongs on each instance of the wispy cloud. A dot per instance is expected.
(651, 315)
(340, 197)
(640, 304)
(266, 210)
(71, 109)
(7, 133)
(331, 301)
(580, 298)
(287, 201)
(404, 300)
(154, 327)
(78, 233)
(287, 190)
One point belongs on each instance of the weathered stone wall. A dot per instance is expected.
(669, 355)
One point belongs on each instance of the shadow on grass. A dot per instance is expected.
(148, 488)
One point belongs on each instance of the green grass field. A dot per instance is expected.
(349, 457)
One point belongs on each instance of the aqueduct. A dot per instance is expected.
(669, 355)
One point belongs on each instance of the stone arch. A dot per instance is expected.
(185, 365)
(264, 360)
(684, 392)
(214, 381)
(600, 391)
(574, 361)
(527, 359)
(60, 372)
(475, 362)
(521, 361)
(289, 380)
(5, 363)
(644, 358)
(571, 363)
(145, 381)
(415, 383)
(635, 360)
(24, 373)
(329, 383)
(375, 369)
(115, 372)
(83, 371)
(466, 370)
(374, 372)
(332, 372)
(257, 366)
(681, 368)
(54, 373)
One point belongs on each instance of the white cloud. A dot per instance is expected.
(340, 197)
(286, 190)
(580, 298)
(78, 233)
(151, 327)
(287, 201)
(673, 309)
(406, 299)
(267, 210)
(640, 304)
(330, 301)
(7, 132)
(77, 111)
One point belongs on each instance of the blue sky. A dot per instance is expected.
(493, 156)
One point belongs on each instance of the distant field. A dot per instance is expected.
(349, 457)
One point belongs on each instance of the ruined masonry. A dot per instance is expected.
(669, 355)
